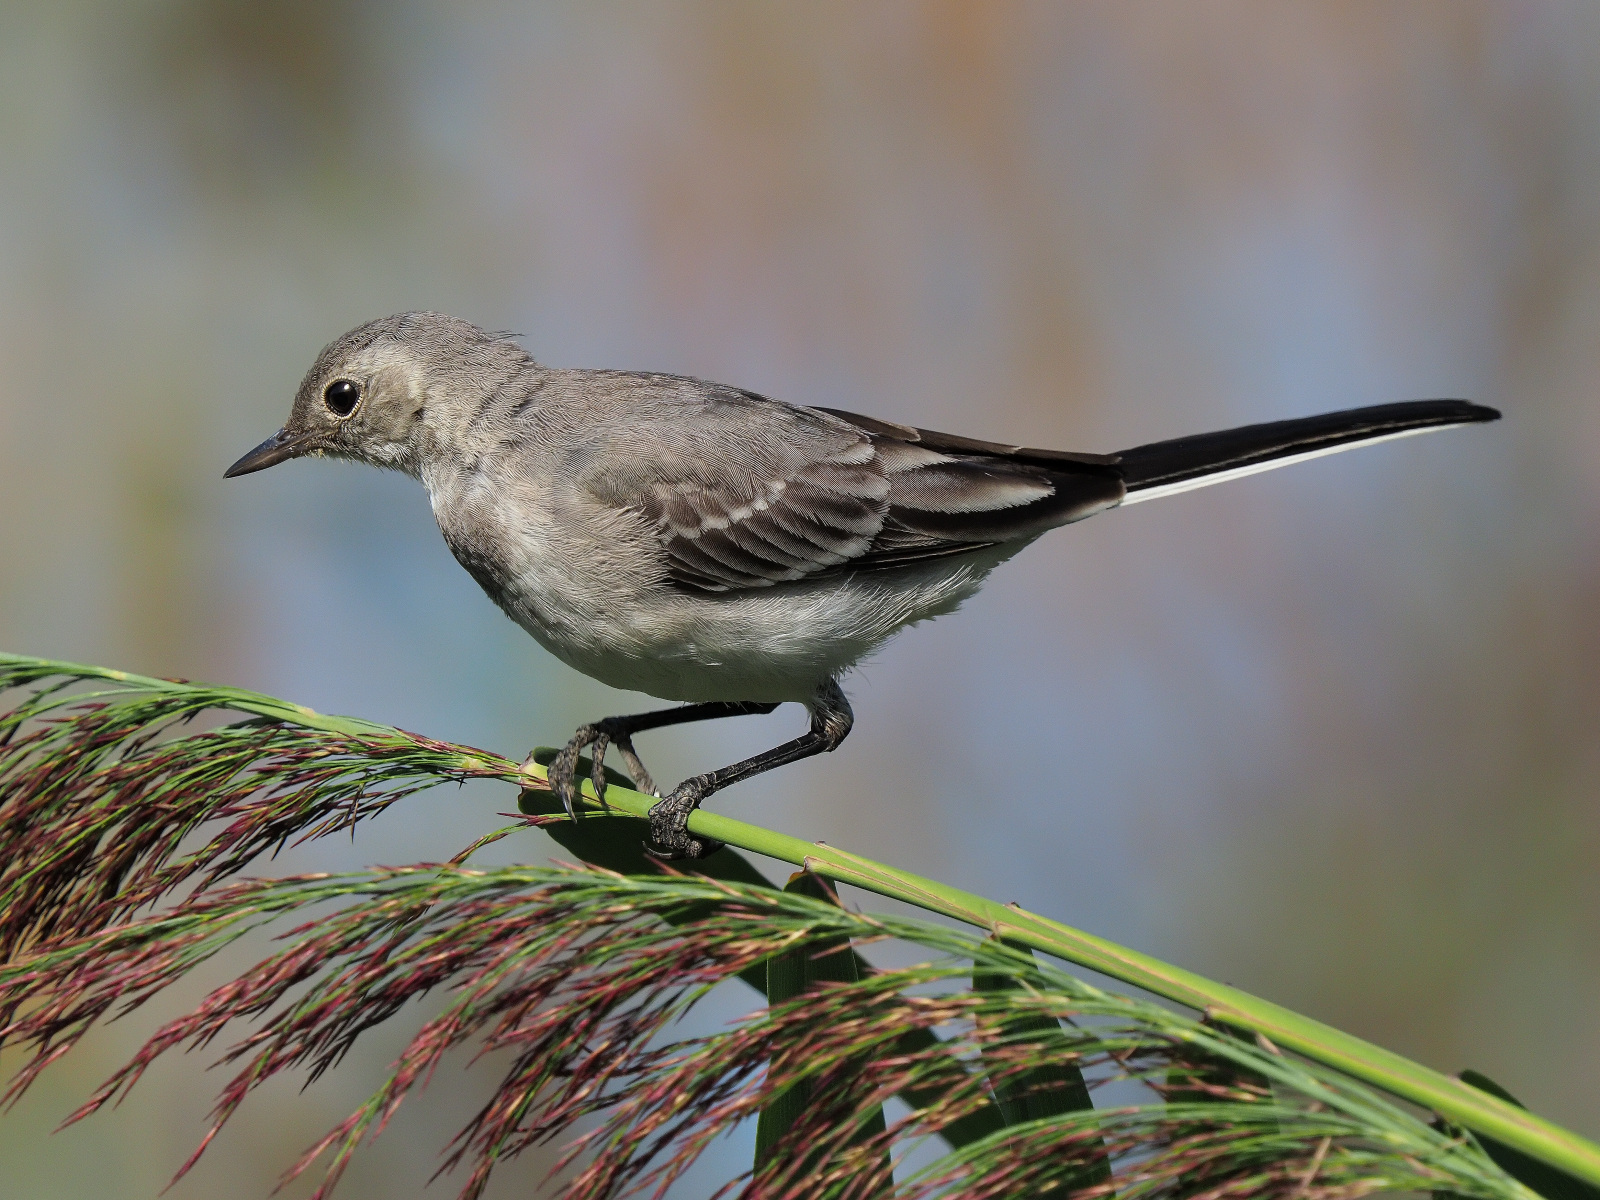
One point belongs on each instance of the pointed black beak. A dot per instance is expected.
(280, 446)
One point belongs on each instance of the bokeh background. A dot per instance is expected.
(1327, 734)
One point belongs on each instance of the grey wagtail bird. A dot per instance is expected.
(707, 544)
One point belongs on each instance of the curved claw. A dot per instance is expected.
(563, 771)
(597, 739)
(669, 823)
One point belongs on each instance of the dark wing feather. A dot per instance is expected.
(1068, 460)
(953, 495)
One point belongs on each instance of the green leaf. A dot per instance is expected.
(789, 976)
(1041, 1092)
(1208, 1078)
(1549, 1182)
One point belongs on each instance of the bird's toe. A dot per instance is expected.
(597, 764)
(563, 771)
(669, 824)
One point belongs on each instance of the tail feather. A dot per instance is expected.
(1163, 468)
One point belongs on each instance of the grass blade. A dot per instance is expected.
(1540, 1177)
(1041, 1092)
(790, 976)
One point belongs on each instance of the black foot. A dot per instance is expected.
(602, 735)
(669, 822)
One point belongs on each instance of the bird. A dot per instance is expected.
(717, 547)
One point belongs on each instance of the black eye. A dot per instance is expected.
(341, 396)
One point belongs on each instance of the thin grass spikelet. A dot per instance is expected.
(100, 789)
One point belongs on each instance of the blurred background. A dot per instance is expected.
(1327, 734)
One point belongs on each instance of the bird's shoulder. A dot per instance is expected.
(696, 423)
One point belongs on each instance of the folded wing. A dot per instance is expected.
(772, 494)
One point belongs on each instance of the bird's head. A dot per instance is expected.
(383, 392)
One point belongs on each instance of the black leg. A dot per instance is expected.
(618, 732)
(831, 720)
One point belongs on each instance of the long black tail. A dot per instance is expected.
(1162, 468)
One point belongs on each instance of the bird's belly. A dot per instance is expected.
(769, 644)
